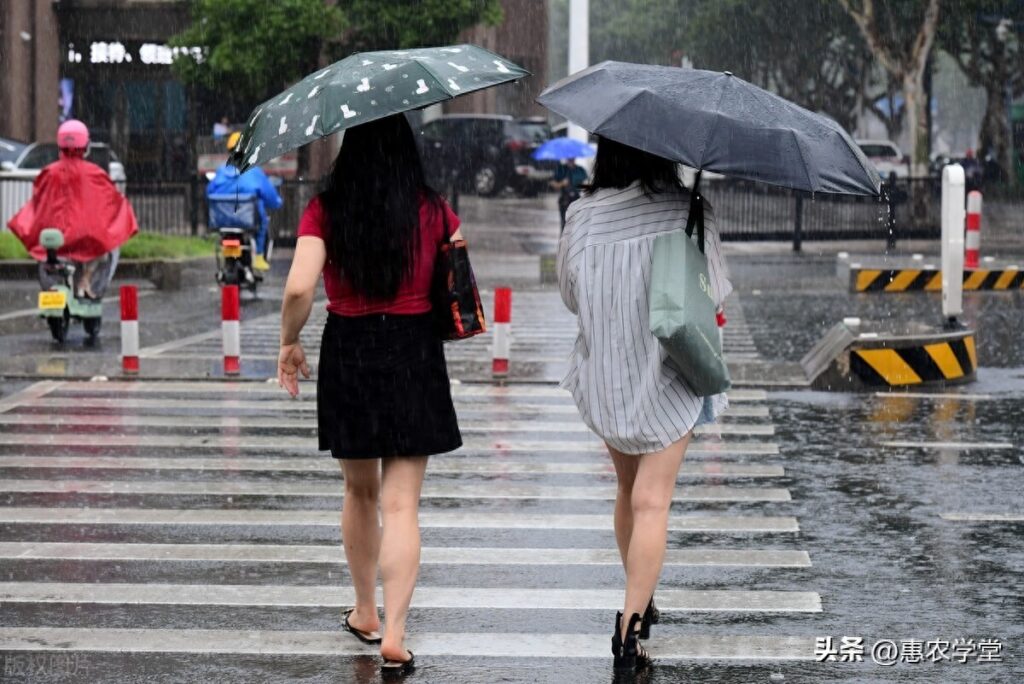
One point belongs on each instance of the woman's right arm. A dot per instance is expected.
(307, 265)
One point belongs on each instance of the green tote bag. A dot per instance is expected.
(682, 308)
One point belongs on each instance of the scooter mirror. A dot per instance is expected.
(51, 238)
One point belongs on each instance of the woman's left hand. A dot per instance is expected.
(290, 361)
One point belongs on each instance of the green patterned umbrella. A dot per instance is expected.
(364, 87)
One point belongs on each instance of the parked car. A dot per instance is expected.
(10, 150)
(38, 155)
(486, 152)
(886, 157)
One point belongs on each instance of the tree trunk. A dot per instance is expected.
(995, 131)
(917, 122)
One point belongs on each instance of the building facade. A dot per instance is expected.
(523, 38)
(107, 63)
(29, 70)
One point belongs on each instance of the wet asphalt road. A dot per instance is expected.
(169, 508)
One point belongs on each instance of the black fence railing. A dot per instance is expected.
(751, 211)
(744, 211)
(179, 208)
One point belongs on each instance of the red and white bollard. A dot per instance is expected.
(720, 321)
(231, 329)
(972, 240)
(129, 329)
(502, 331)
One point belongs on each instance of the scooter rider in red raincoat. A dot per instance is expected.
(79, 198)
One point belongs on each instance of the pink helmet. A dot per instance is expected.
(72, 134)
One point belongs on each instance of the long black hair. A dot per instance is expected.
(618, 166)
(372, 202)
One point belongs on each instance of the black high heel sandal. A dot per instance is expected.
(652, 616)
(630, 656)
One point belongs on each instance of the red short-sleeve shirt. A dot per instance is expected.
(414, 293)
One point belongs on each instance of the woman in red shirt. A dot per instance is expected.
(383, 395)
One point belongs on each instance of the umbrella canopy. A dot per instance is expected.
(563, 148)
(714, 121)
(364, 87)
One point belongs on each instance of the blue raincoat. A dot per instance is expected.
(228, 181)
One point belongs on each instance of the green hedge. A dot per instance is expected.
(11, 247)
(141, 246)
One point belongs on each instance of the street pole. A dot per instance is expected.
(579, 49)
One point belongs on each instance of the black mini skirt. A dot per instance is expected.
(383, 388)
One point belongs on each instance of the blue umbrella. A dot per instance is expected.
(563, 148)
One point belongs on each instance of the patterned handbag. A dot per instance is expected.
(454, 296)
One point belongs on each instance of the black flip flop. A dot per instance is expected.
(395, 668)
(365, 637)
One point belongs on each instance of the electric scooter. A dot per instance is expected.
(236, 218)
(61, 299)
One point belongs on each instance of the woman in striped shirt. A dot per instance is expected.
(626, 388)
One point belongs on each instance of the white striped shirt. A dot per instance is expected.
(626, 388)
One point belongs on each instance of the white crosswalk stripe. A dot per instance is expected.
(162, 485)
(293, 553)
(669, 600)
(430, 490)
(469, 644)
(465, 465)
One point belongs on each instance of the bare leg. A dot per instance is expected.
(360, 532)
(85, 277)
(625, 472)
(401, 481)
(651, 498)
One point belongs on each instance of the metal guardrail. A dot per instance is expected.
(745, 211)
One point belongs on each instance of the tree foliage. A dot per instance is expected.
(826, 69)
(254, 48)
(387, 24)
(643, 31)
(984, 39)
(900, 35)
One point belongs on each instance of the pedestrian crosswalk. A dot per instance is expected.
(147, 493)
(198, 517)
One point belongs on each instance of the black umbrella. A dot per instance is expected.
(714, 121)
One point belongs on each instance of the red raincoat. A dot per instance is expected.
(79, 198)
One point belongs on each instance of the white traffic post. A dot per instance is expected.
(972, 253)
(230, 309)
(502, 331)
(579, 50)
(129, 329)
(954, 184)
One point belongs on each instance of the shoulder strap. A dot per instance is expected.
(695, 217)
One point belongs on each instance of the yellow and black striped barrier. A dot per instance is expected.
(847, 359)
(948, 361)
(930, 279)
